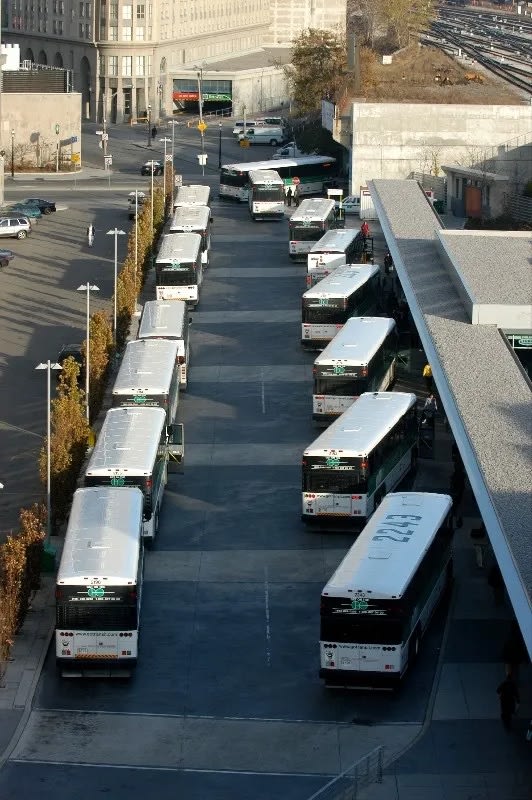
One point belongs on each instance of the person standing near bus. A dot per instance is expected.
(90, 235)
(364, 230)
(427, 376)
(289, 195)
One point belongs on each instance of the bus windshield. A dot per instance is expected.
(341, 387)
(332, 312)
(168, 275)
(352, 479)
(267, 192)
(306, 233)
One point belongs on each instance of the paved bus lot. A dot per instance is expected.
(226, 702)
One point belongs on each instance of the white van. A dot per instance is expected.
(267, 135)
(239, 126)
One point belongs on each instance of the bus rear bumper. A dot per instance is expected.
(334, 523)
(352, 679)
(96, 668)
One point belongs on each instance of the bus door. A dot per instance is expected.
(176, 447)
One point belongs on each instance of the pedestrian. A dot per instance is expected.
(289, 195)
(296, 195)
(388, 263)
(153, 132)
(509, 700)
(427, 375)
(90, 235)
(514, 652)
(364, 230)
(496, 582)
(430, 409)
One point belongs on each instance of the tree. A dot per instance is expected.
(404, 19)
(317, 69)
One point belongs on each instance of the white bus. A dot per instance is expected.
(194, 219)
(336, 247)
(194, 194)
(361, 358)
(351, 290)
(359, 458)
(149, 376)
(266, 194)
(313, 172)
(379, 602)
(168, 319)
(133, 449)
(99, 583)
(179, 268)
(307, 225)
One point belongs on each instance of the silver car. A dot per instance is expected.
(16, 227)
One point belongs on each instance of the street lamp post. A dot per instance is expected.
(219, 145)
(116, 233)
(173, 123)
(136, 194)
(165, 140)
(199, 74)
(149, 125)
(48, 366)
(86, 287)
(12, 152)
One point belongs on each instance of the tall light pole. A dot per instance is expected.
(116, 233)
(149, 125)
(12, 152)
(219, 145)
(201, 125)
(173, 123)
(86, 287)
(48, 366)
(165, 140)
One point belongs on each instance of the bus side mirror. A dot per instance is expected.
(176, 447)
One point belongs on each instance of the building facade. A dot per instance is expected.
(289, 18)
(125, 54)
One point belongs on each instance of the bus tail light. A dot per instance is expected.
(149, 484)
(58, 594)
(133, 594)
(364, 372)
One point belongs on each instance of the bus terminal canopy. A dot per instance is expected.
(463, 288)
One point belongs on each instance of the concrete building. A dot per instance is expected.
(125, 56)
(41, 117)
(398, 140)
(290, 17)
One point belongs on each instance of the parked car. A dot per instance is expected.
(17, 227)
(350, 204)
(155, 167)
(5, 257)
(72, 351)
(44, 206)
(21, 208)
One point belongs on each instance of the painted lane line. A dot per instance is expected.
(262, 391)
(267, 615)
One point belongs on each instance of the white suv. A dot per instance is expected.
(15, 227)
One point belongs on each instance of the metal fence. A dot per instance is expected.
(519, 208)
(359, 775)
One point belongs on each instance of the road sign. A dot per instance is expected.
(105, 137)
(168, 157)
(202, 158)
(296, 181)
(73, 139)
(75, 158)
(108, 160)
(98, 133)
(178, 180)
(202, 126)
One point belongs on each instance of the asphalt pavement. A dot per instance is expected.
(226, 702)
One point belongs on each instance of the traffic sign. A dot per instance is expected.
(202, 158)
(202, 126)
(98, 133)
(296, 181)
(73, 139)
(178, 180)
(168, 157)
(105, 137)
(108, 160)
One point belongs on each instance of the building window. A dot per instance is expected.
(127, 12)
(88, 10)
(149, 32)
(88, 31)
(82, 9)
(139, 34)
(127, 66)
(140, 66)
(113, 66)
(113, 11)
(140, 11)
(101, 65)
(113, 33)
(58, 27)
(149, 65)
(126, 34)
(150, 10)
(81, 30)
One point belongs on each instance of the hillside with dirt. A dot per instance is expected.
(427, 75)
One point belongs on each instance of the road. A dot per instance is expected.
(226, 702)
